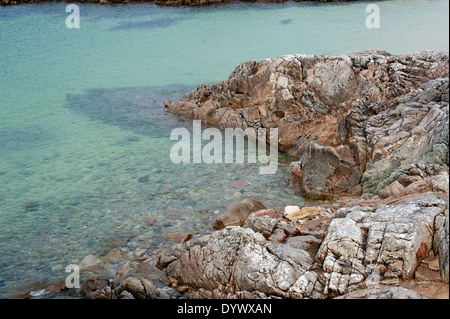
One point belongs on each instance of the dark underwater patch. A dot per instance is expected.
(149, 24)
(286, 21)
(139, 110)
(24, 137)
(14, 12)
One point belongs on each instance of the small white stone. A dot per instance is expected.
(291, 209)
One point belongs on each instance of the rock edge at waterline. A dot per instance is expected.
(361, 123)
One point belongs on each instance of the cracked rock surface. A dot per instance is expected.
(236, 260)
(366, 249)
(353, 121)
(388, 239)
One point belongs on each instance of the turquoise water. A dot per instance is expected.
(84, 139)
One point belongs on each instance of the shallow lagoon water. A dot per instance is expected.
(84, 139)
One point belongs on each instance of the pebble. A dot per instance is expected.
(89, 262)
(57, 268)
(182, 289)
(113, 256)
(31, 206)
(237, 184)
(278, 235)
(139, 252)
(143, 179)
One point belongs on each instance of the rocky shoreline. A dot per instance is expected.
(356, 122)
(370, 131)
(161, 2)
(392, 249)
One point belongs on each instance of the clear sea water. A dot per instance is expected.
(84, 139)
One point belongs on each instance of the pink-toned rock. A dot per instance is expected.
(179, 237)
(113, 256)
(263, 212)
(140, 279)
(90, 262)
(237, 184)
(393, 189)
(182, 289)
(424, 273)
(368, 74)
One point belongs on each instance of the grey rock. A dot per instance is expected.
(264, 225)
(288, 229)
(307, 243)
(441, 240)
(441, 183)
(382, 292)
(166, 293)
(96, 287)
(237, 260)
(278, 235)
(140, 279)
(125, 295)
(31, 206)
(393, 238)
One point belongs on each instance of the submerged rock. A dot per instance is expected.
(114, 256)
(31, 206)
(143, 179)
(91, 262)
